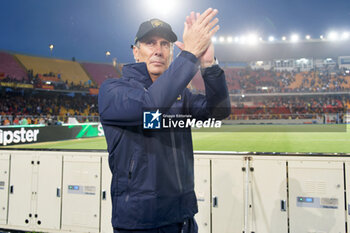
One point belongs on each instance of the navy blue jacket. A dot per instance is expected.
(153, 181)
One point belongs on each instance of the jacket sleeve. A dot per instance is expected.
(216, 101)
(123, 104)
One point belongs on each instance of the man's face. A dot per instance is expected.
(156, 52)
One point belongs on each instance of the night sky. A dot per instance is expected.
(86, 29)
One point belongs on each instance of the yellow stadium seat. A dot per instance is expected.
(69, 71)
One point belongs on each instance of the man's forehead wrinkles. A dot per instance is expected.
(154, 38)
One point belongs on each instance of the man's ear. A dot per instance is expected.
(135, 51)
(171, 54)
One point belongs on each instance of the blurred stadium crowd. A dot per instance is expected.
(290, 107)
(247, 80)
(37, 90)
(32, 107)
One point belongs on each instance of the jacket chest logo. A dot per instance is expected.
(179, 97)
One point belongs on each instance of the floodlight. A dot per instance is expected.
(213, 39)
(222, 39)
(271, 38)
(333, 36)
(242, 39)
(294, 38)
(321, 37)
(284, 38)
(308, 37)
(229, 39)
(252, 39)
(345, 36)
(236, 39)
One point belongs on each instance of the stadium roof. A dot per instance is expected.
(281, 50)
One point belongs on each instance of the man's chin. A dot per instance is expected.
(156, 70)
(155, 74)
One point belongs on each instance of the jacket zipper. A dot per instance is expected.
(131, 168)
(129, 177)
(175, 159)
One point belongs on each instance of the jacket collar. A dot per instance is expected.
(138, 72)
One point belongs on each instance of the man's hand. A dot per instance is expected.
(207, 57)
(198, 32)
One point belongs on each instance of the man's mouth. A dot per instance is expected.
(157, 63)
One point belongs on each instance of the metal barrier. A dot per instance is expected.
(68, 191)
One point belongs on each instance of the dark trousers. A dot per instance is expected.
(187, 226)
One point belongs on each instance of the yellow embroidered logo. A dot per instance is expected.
(156, 23)
(179, 97)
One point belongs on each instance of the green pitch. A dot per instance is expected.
(241, 138)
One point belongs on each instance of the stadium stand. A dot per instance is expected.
(288, 107)
(246, 80)
(67, 71)
(100, 72)
(232, 78)
(197, 84)
(46, 105)
(256, 93)
(9, 67)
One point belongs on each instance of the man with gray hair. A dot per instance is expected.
(152, 186)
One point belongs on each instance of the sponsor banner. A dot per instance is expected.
(18, 85)
(5, 84)
(31, 134)
(48, 87)
(21, 85)
(93, 91)
(50, 79)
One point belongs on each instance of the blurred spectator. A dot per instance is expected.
(24, 121)
(41, 120)
(6, 121)
(16, 121)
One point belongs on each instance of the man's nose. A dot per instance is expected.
(158, 49)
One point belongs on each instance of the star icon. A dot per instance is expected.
(156, 115)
